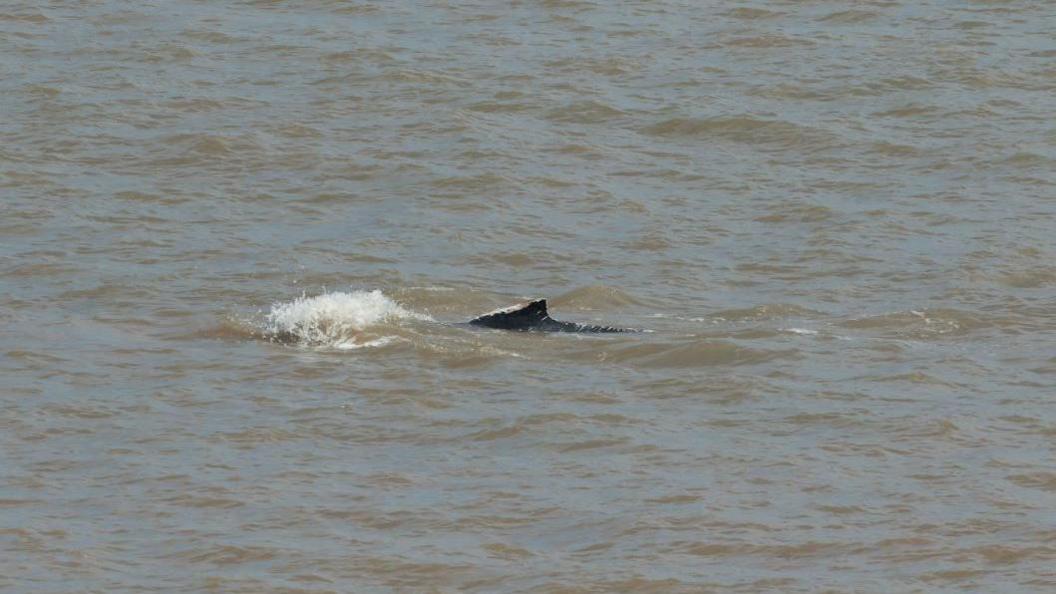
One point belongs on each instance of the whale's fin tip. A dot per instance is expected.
(523, 316)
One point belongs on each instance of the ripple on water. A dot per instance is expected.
(923, 324)
(585, 112)
(768, 311)
(697, 353)
(595, 297)
(766, 134)
(850, 17)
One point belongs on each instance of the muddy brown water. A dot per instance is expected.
(835, 218)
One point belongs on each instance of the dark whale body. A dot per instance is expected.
(533, 317)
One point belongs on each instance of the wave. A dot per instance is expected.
(595, 297)
(920, 325)
(743, 129)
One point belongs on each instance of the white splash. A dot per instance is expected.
(335, 319)
(349, 345)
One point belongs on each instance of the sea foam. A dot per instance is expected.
(335, 319)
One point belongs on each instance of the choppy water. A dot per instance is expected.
(836, 218)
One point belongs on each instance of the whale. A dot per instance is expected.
(532, 316)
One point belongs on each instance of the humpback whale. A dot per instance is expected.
(533, 317)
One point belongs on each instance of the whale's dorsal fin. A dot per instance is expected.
(536, 308)
(533, 316)
(523, 316)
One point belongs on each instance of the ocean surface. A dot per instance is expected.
(835, 220)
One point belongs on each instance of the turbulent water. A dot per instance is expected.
(238, 241)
